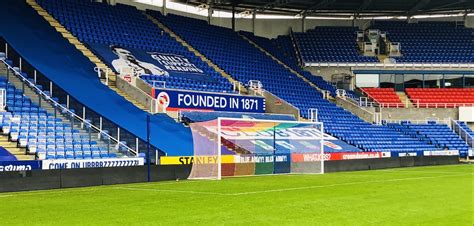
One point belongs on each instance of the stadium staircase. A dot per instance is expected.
(19, 153)
(281, 63)
(12, 147)
(404, 98)
(112, 77)
(197, 53)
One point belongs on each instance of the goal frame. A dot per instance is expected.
(219, 140)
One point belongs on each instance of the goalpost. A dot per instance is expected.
(227, 147)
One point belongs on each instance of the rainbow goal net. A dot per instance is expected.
(243, 147)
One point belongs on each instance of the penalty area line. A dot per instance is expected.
(284, 189)
(340, 184)
(169, 190)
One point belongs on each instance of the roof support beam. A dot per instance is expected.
(362, 7)
(315, 7)
(272, 5)
(417, 7)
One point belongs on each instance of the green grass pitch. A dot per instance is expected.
(441, 195)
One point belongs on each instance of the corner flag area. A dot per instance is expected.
(438, 195)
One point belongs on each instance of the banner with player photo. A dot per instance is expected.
(151, 63)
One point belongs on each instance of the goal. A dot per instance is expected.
(227, 147)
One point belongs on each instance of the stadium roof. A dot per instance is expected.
(330, 8)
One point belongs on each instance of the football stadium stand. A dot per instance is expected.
(331, 44)
(234, 53)
(430, 42)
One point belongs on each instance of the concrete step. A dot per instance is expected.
(20, 153)
(404, 98)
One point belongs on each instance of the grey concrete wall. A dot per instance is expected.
(142, 85)
(274, 104)
(469, 22)
(419, 113)
(365, 114)
(137, 94)
(327, 72)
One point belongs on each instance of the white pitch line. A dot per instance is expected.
(170, 190)
(336, 185)
(85, 189)
(137, 187)
(47, 192)
(421, 172)
(284, 189)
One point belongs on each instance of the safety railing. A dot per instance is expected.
(420, 122)
(463, 133)
(158, 84)
(417, 104)
(313, 114)
(257, 86)
(3, 98)
(103, 73)
(365, 102)
(112, 143)
(389, 65)
(392, 105)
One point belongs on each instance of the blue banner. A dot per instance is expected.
(173, 100)
(151, 63)
(19, 165)
(407, 153)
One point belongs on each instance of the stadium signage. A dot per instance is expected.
(316, 157)
(187, 160)
(91, 163)
(6, 166)
(175, 100)
(441, 153)
(407, 154)
(294, 157)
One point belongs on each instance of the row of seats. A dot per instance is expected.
(439, 97)
(386, 96)
(221, 85)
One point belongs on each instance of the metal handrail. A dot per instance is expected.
(418, 122)
(461, 129)
(64, 109)
(389, 65)
(417, 104)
